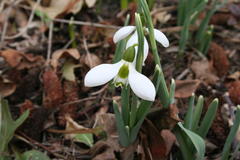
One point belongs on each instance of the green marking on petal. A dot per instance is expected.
(123, 71)
(129, 54)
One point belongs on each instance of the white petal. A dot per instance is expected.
(141, 85)
(161, 38)
(123, 33)
(134, 40)
(145, 50)
(101, 74)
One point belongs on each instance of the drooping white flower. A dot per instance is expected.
(123, 73)
(131, 30)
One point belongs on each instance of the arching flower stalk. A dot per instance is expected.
(122, 73)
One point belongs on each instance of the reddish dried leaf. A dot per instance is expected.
(219, 59)
(12, 57)
(185, 88)
(20, 60)
(57, 55)
(157, 145)
(26, 105)
(34, 124)
(220, 18)
(203, 71)
(169, 139)
(234, 91)
(53, 92)
(165, 118)
(70, 90)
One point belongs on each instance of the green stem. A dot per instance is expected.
(134, 109)
(125, 104)
(140, 42)
(148, 18)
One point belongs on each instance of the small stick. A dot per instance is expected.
(50, 34)
(26, 27)
(86, 23)
(80, 100)
(87, 51)
(34, 142)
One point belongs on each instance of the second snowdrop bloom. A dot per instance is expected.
(122, 73)
(126, 31)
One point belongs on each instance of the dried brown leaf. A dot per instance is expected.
(7, 87)
(53, 92)
(169, 139)
(59, 7)
(90, 3)
(70, 91)
(220, 18)
(234, 76)
(219, 59)
(156, 146)
(71, 125)
(20, 60)
(185, 88)
(203, 71)
(90, 60)
(57, 55)
(234, 91)
(165, 118)
(27, 105)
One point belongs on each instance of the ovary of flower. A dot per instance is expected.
(123, 73)
(131, 30)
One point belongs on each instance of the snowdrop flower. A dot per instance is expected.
(123, 73)
(131, 30)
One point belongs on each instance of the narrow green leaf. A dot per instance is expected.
(156, 77)
(123, 136)
(189, 116)
(208, 119)
(181, 12)
(84, 138)
(162, 92)
(34, 155)
(8, 125)
(185, 144)
(146, 12)
(196, 140)
(204, 24)
(172, 91)
(143, 110)
(197, 113)
(204, 46)
(231, 136)
(184, 35)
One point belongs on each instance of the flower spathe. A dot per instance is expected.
(128, 30)
(139, 83)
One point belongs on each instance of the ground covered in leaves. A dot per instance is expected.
(43, 64)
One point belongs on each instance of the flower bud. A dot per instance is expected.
(129, 54)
